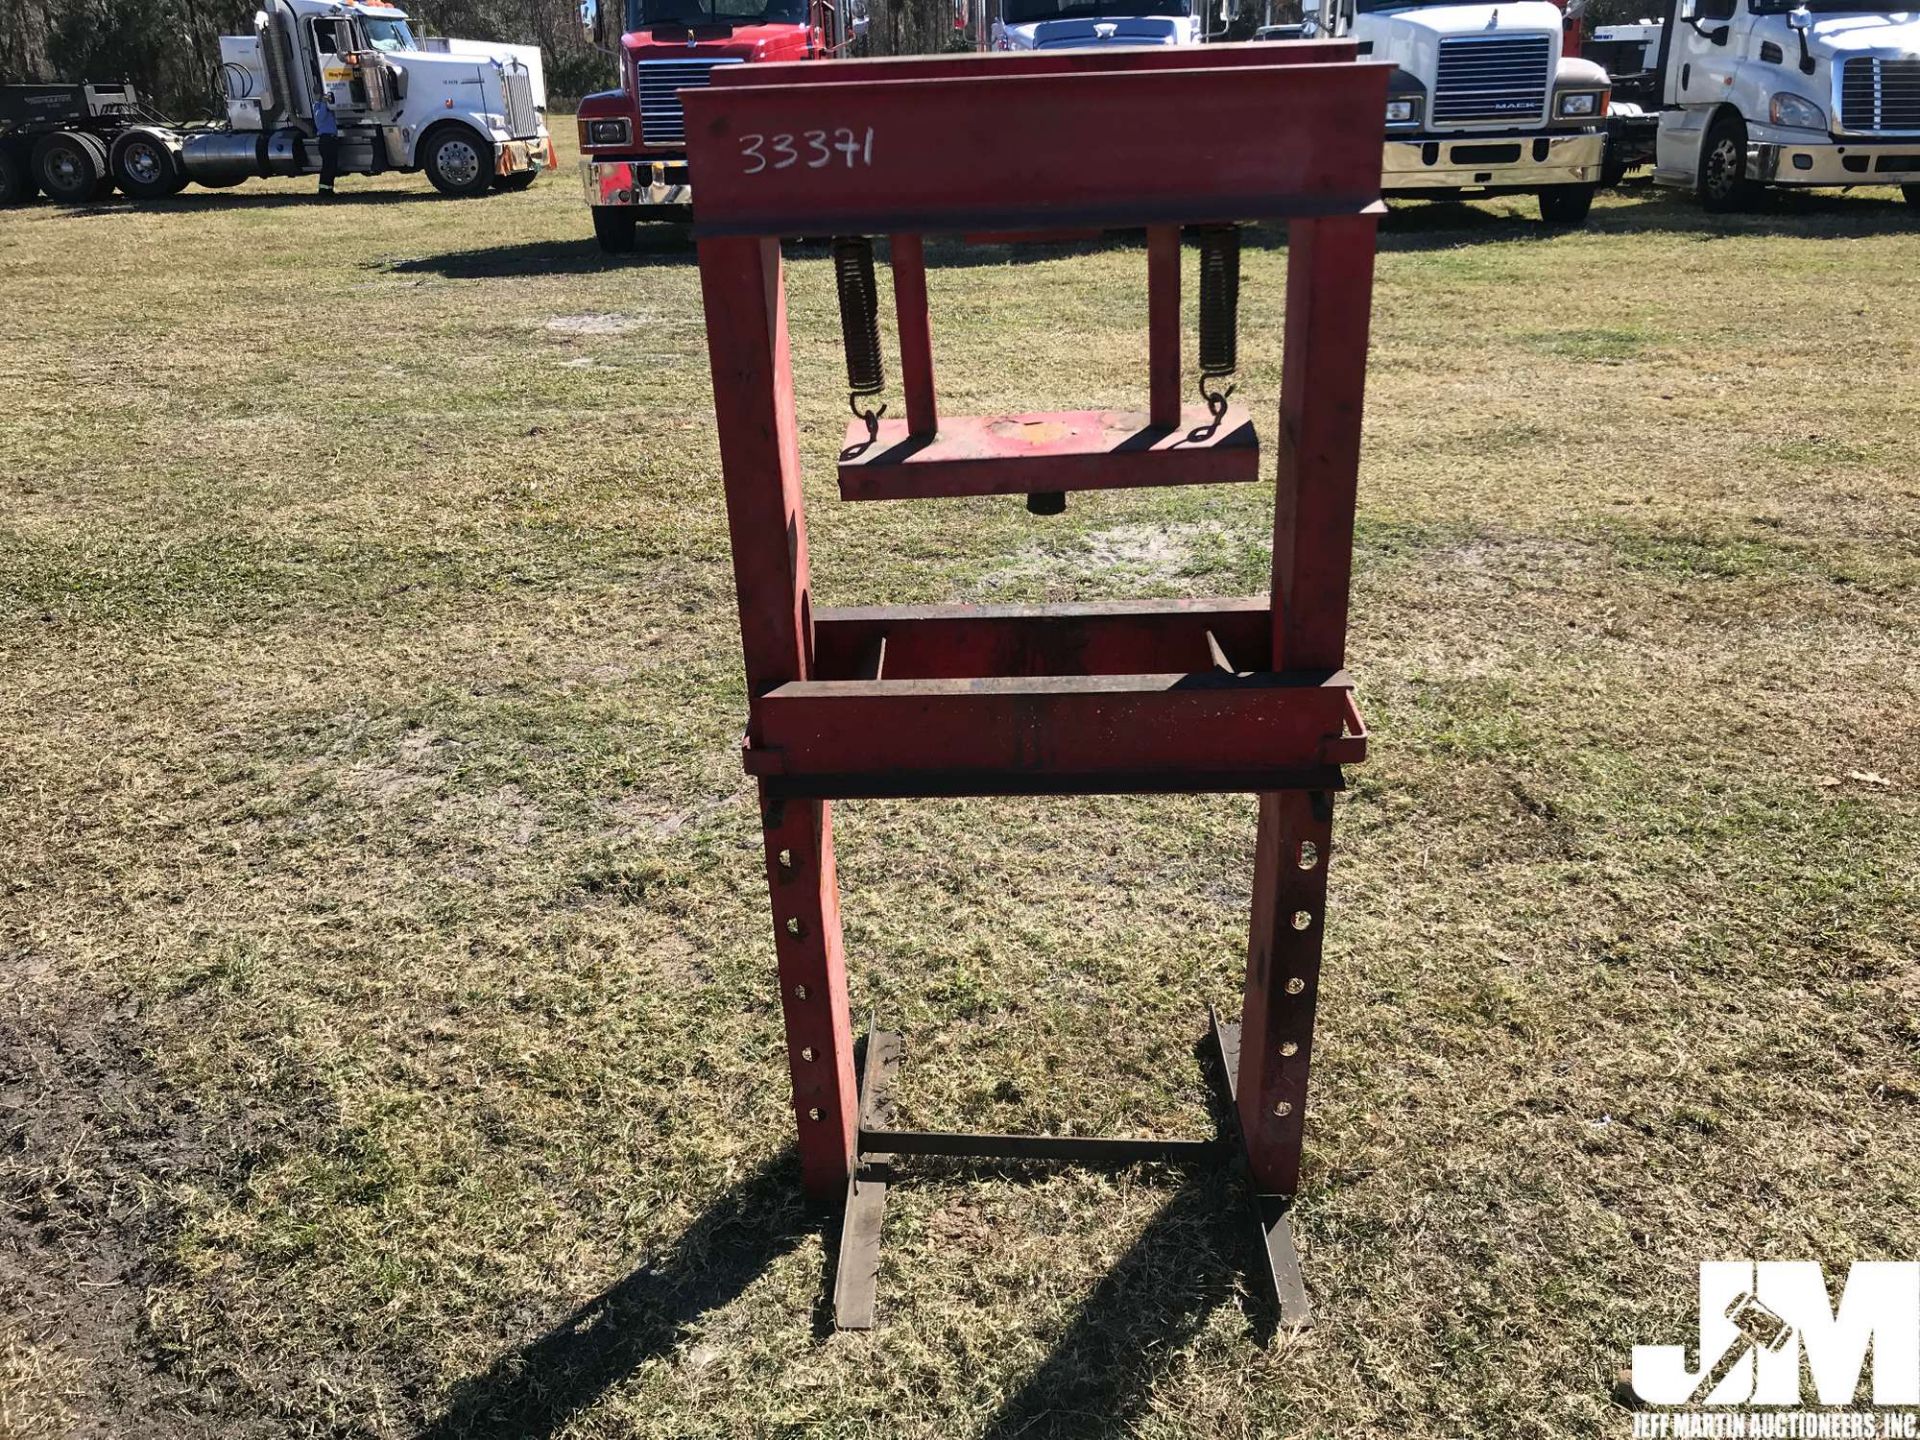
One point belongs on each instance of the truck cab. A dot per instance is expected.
(1779, 92)
(1483, 99)
(633, 141)
(1081, 24)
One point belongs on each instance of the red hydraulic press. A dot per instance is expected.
(1147, 696)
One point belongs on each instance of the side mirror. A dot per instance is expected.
(1689, 11)
(1718, 35)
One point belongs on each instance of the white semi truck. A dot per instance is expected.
(470, 115)
(1777, 92)
(1482, 101)
(1086, 24)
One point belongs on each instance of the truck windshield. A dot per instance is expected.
(1027, 12)
(1374, 7)
(388, 34)
(649, 13)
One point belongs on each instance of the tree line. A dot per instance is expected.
(170, 49)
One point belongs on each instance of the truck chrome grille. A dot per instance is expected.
(1493, 78)
(1880, 94)
(523, 121)
(662, 121)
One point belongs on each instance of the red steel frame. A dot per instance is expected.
(1143, 696)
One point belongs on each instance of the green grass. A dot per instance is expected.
(388, 1043)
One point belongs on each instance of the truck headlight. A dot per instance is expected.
(1793, 111)
(1577, 104)
(617, 131)
(1403, 110)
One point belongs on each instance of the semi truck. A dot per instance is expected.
(1753, 93)
(471, 115)
(633, 141)
(1484, 99)
(1081, 24)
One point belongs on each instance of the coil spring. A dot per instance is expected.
(1219, 310)
(860, 324)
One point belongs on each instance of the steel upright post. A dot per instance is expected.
(760, 464)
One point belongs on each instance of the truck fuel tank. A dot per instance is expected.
(226, 157)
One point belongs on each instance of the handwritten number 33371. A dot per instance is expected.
(817, 148)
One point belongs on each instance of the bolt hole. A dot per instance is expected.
(1287, 1047)
(814, 1113)
(1309, 854)
(793, 927)
(799, 992)
(1296, 985)
(1283, 1108)
(806, 1052)
(1302, 919)
(786, 859)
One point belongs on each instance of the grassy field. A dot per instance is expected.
(388, 1044)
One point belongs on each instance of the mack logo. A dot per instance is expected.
(1768, 1336)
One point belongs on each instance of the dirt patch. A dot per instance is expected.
(1138, 554)
(84, 1134)
(608, 324)
(93, 1144)
(649, 815)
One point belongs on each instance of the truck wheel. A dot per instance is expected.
(17, 185)
(68, 166)
(519, 180)
(103, 187)
(615, 228)
(146, 166)
(458, 161)
(1722, 182)
(1912, 194)
(1566, 204)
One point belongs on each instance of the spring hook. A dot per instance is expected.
(1219, 312)
(860, 326)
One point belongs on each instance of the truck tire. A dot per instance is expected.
(457, 161)
(1566, 204)
(519, 180)
(617, 229)
(1912, 195)
(146, 166)
(69, 166)
(1722, 182)
(17, 185)
(103, 187)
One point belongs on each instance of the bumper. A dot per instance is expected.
(1492, 162)
(1850, 162)
(640, 184)
(512, 157)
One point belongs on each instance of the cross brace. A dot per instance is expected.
(1276, 1273)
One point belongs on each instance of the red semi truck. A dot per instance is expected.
(633, 141)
